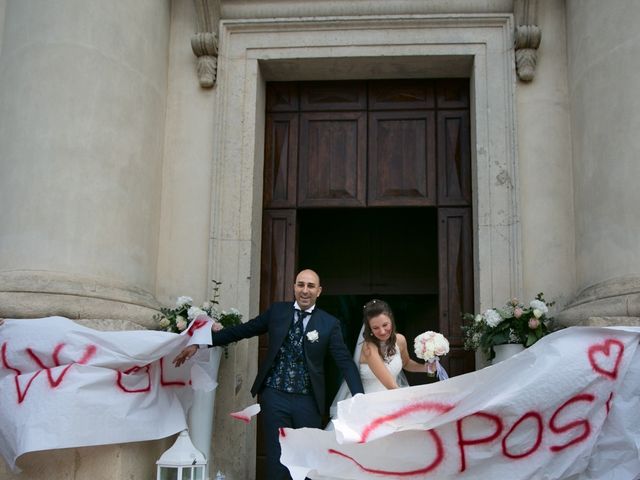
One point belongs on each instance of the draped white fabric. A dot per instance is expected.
(64, 385)
(566, 408)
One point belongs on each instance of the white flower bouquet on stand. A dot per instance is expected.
(513, 323)
(177, 319)
(430, 346)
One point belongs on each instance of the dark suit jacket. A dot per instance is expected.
(276, 322)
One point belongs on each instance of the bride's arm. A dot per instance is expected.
(371, 357)
(408, 363)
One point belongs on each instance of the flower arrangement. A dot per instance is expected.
(430, 346)
(177, 319)
(512, 323)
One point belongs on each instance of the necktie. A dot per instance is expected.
(301, 315)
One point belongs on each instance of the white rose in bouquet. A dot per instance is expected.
(183, 301)
(195, 312)
(441, 346)
(540, 306)
(493, 318)
(181, 323)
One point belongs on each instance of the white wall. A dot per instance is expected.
(545, 173)
(183, 260)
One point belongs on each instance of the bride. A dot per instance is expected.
(381, 353)
(384, 352)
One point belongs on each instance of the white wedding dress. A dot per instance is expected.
(370, 382)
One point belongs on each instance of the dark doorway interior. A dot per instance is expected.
(385, 253)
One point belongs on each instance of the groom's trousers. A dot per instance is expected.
(284, 410)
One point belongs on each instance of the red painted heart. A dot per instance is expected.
(601, 356)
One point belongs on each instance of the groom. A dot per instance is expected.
(291, 380)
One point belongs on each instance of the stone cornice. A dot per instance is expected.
(265, 9)
(204, 42)
(526, 38)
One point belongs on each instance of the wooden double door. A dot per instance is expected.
(369, 184)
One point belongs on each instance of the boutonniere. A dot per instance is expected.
(313, 336)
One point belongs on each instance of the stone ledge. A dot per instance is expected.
(42, 281)
(36, 294)
(38, 305)
(611, 322)
(614, 302)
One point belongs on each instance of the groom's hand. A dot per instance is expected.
(185, 355)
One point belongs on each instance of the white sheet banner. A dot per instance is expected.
(566, 408)
(64, 385)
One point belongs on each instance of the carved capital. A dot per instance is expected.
(527, 42)
(205, 47)
(526, 38)
(204, 42)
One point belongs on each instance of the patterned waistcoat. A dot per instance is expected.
(289, 371)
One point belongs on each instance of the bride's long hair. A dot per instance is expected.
(371, 309)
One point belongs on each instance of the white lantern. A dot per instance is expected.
(182, 461)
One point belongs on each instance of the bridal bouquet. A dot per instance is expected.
(430, 346)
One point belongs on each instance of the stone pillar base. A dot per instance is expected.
(104, 462)
(611, 321)
(26, 294)
(614, 302)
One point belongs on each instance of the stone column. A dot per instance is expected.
(604, 73)
(82, 107)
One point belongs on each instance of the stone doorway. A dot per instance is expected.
(478, 47)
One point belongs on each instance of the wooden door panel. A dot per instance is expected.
(401, 95)
(458, 361)
(328, 96)
(276, 284)
(455, 246)
(283, 97)
(281, 160)
(402, 160)
(452, 93)
(332, 162)
(278, 256)
(454, 163)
